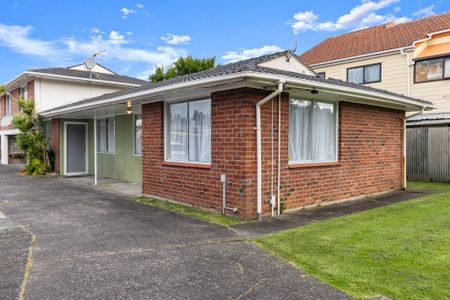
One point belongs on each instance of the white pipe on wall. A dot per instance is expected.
(259, 148)
(279, 157)
(95, 150)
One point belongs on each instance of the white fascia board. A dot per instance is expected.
(77, 79)
(24, 74)
(373, 95)
(360, 57)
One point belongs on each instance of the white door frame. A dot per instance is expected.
(86, 124)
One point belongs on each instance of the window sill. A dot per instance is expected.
(186, 165)
(313, 165)
(109, 153)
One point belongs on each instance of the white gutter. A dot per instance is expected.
(258, 147)
(373, 95)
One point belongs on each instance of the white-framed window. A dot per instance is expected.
(313, 131)
(137, 133)
(23, 92)
(106, 142)
(7, 105)
(188, 131)
(364, 74)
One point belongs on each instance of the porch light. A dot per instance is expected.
(129, 110)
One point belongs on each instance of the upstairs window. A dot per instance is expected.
(188, 131)
(106, 142)
(312, 131)
(364, 74)
(432, 69)
(23, 92)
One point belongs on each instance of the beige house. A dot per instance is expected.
(411, 58)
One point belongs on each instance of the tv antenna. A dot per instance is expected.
(90, 63)
(291, 52)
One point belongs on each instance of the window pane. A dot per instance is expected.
(429, 70)
(447, 68)
(324, 132)
(111, 135)
(138, 134)
(7, 105)
(372, 73)
(200, 131)
(177, 127)
(101, 135)
(300, 130)
(355, 75)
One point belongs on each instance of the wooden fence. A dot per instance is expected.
(428, 154)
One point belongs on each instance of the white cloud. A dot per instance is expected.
(233, 56)
(126, 12)
(139, 5)
(116, 38)
(18, 39)
(173, 39)
(425, 12)
(360, 16)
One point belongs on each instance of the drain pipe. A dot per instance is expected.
(259, 150)
(223, 180)
(279, 157)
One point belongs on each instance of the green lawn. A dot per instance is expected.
(194, 212)
(401, 251)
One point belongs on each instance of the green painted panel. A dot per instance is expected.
(122, 164)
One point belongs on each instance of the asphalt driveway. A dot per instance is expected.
(87, 243)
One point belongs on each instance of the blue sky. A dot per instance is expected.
(139, 35)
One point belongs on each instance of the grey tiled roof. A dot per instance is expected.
(86, 75)
(430, 117)
(249, 65)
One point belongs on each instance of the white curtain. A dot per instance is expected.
(372, 73)
(447, 68)
(200, 131)
(110, 122)
(312, 131)
(101, 136)
(178, 132)
(138, 134)
(300, 130)
(356, 75)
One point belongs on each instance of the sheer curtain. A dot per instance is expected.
(178, 132)
(372, 73)
(101, 135)
(356, 75)
(312, 131)
(200, 131)
(111, 136)
(300, 130)
(324, 135)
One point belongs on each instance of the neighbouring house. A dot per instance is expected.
(411, 58)
(255, 137)
(53, 87)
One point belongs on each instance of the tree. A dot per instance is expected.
(32, 139)
(183, 66)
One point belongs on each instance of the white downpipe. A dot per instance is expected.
(408, 72)
(272, 202)
(259, 150)
(95, 150)
(279, 157)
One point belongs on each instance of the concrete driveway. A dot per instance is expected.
(87, 243)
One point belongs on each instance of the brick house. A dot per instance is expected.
(49, 88)
(411, 58)
(267, 130)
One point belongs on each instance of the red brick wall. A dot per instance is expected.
(55, 143)
(2, 106)
(370, 157)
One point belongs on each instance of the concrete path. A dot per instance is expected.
(78, 242)
(311, 215)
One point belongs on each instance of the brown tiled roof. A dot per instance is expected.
(375, 39)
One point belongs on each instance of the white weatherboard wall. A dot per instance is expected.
(54, 93)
